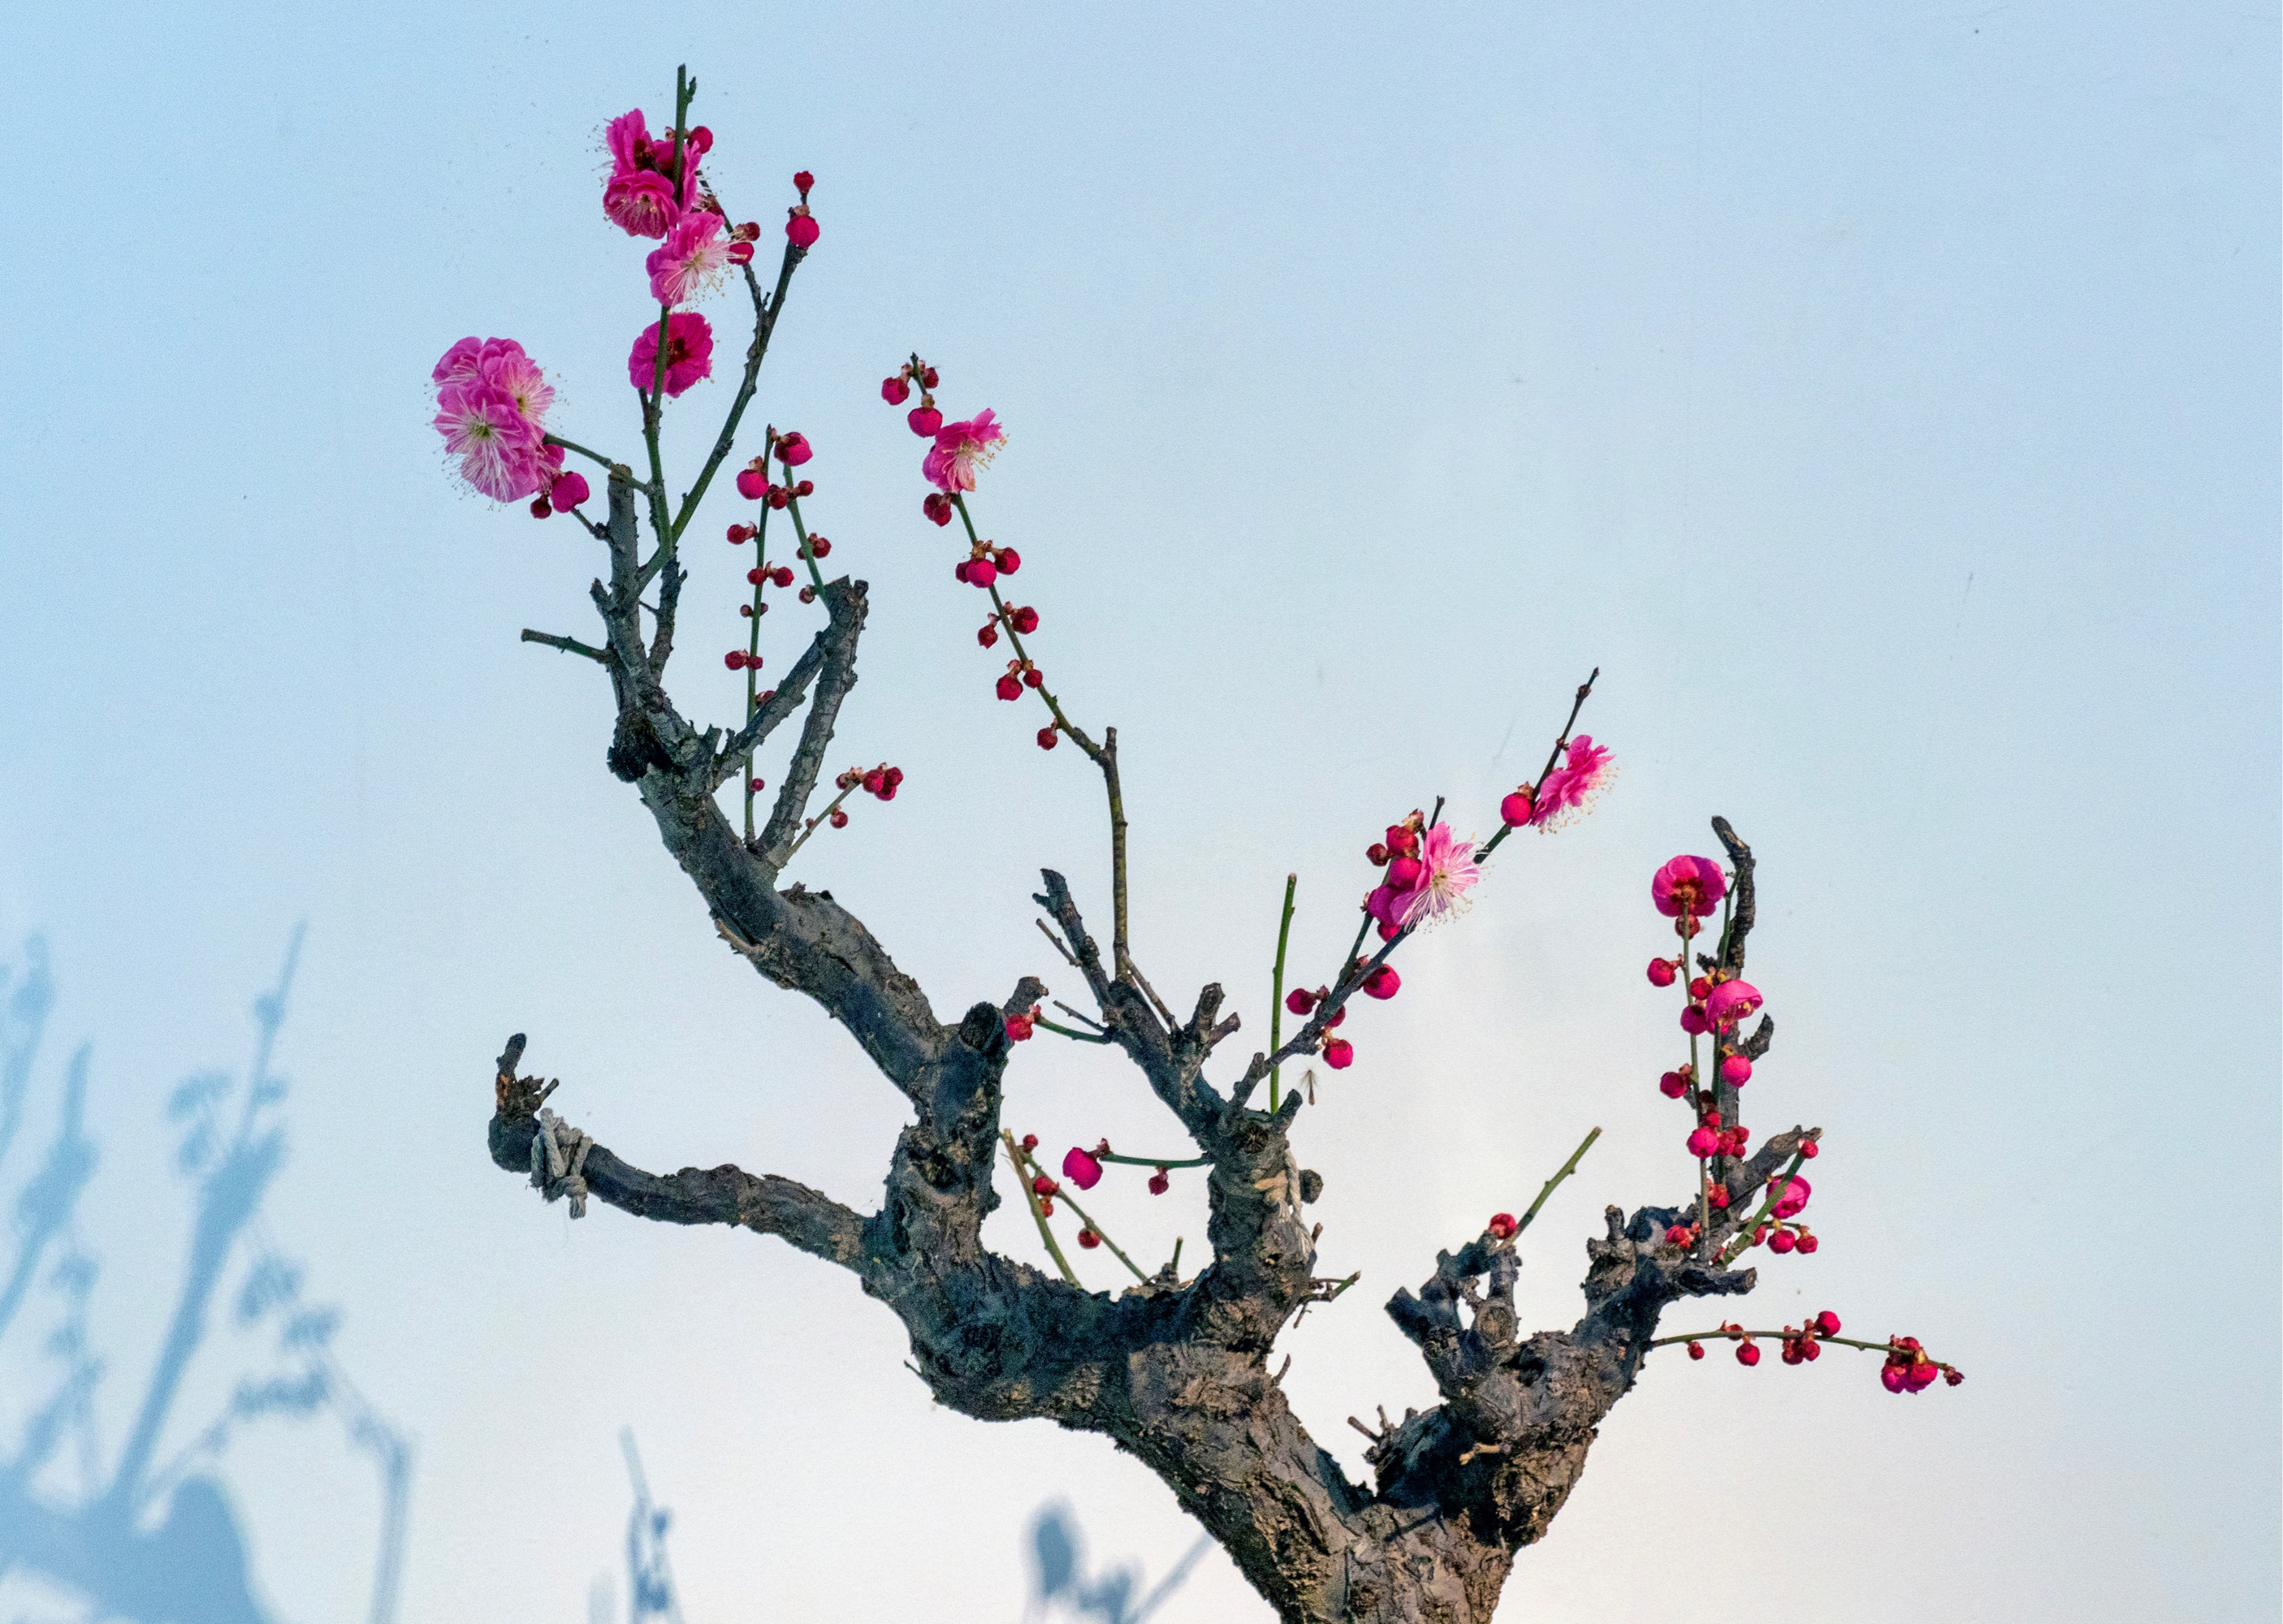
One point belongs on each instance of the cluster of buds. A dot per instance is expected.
(896, 389)
(986, 563)
(741, 239)
(1019, 674)
(878, 782)
(1023, 620)
(1682, 1235)
(1401, 846)
(1716, 1003)
(1709, 1139)
(1909, 1370)
(801, 229)
(1800, 1345)
(1338, 1052)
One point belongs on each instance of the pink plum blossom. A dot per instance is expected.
(691, 261)
(1691, 885)
(960, 449)
(641, 197)
(1449, 872)
(497, 445)
(1730, 1002)
(1794, 1199)
(1081, 1170)
(689, 354)
(1569, 790)
(1735, 1071)
(568, 491)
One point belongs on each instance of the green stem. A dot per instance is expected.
(1774, 1336)
(1568, 1168)
(1276, 992)
(752, 679)
(1775, 1188)
(1562, 744)
(1068, 1031)
(1015, 1155)
(569, 445)
(818, 821)
(792, 506)
(1101, 1156)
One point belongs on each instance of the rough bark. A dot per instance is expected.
(1174, 1371)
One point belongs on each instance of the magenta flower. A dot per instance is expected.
(497, 445)
(1448, 874)
(1569, 791)
(689, 354)
(1730, 1002)
(960, 449)
(568, 491)
(1691, 885)
(692, 260)
(1081, 1170)
(641, 197)
(1794, 1199)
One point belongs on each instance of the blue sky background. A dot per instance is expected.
(1885, 398)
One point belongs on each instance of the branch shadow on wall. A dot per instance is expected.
(142, 1536)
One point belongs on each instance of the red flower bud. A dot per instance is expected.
(1375, 854)
(741, 253)
(1807, 1244)
(1383, 982)
(1782, 1241)
(1299, 1000)
(837, 817)
(1828, 1323)
(1010, 687)
(1660, 972)
(802, 182)
(1087, 1239)
(937, 507)
(808, 595)
(1515, 810)
(781, 575)
(1692, 1020)
(735, 659)
(756, 786)
(1696, 1351)
(1046, 1208)
(981, 572)
(539, 508)
(1672, 1085)
(1030, 1141)
(1033, 677)
(1043, 1185)
(752, 483)
(894, 390)
(1502, 1226)
(926, 420)
(1748, 1355)
(1010, 560)
(1026, 620)
(1080, 1169)
(1159, 1183)
(1047, 738)
(1339, 1053)
(1699, 988)
(805, 488)
(987, 633)
(818, 547)
(801, 231)
(1809, 1149)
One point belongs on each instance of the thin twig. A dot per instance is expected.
(1568, 1168)
(569, 645)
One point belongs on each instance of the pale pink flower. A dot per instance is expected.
(497, 445)
(467, 359)
(960, 449)
(689, 354)
(1450, 873)
(1690, 885)
(1570, 789)
(691, 261)
(520, 377)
